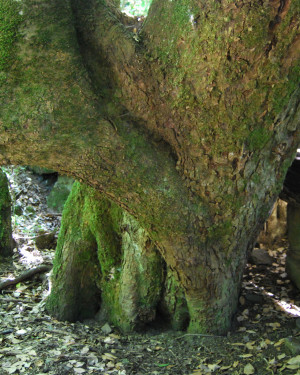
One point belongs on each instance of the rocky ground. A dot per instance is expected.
(265, 338)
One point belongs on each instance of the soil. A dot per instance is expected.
(34, 343)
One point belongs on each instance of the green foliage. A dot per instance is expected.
(10, 19)
(135, 7)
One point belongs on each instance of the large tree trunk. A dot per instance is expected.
(190, 128)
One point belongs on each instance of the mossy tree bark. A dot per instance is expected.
(190, 128)
(6, 240)
(105, 261)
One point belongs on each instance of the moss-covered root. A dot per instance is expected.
(131, 267)
(141, 276)
(293, 254)
(75, 294)
(212, 308)
(173, 304)
(103, 254)
(6, 241)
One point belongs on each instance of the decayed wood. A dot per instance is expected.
(24, 276)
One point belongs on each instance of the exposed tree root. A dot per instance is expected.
(24, 276)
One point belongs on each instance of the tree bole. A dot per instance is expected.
(189, 126)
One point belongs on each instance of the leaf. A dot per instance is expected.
(272, 361)
(84, 350)
(278, 343)
(274, 325)
(79, 364)
(249, 345)
(213, 367)
(108, 356)
(246, 355)
(162, 364)
(281, 356)
(223, 368)
(293, 367)
(21, 332)
(114, 336)
(249, 369)
(294, 360)
(294, 363)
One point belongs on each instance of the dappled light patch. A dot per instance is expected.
(289, 307)
(135, 8)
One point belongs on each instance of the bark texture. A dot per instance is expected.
(6, 240)
(106, 264)
(189, 126)
(275, 228)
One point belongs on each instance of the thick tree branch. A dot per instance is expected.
(109, 36)
(107, 45)
(49, 116)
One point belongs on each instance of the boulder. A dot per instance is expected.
(45, 240)
(260, 256)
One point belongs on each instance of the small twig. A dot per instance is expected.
(197, 334)
(17, 300)
(60, 332)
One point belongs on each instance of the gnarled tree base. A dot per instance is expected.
(106, 264)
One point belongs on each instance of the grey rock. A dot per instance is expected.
(254, 298)
(106, 329)
(260, 256)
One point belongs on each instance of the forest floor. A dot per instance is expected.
(265, 338)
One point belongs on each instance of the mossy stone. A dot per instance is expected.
(60, 192)
(45, 240)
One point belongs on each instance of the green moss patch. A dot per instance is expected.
(10, 19)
